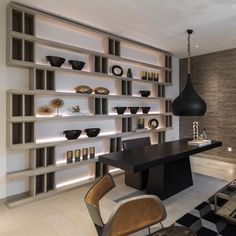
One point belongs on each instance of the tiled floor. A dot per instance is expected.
(66, 214)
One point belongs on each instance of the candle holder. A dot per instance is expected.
(69, 157)
(91, 152)
(85, 154)
(77, 155)
(195, 130)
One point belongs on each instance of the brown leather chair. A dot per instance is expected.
(136, 180)
(129, 215)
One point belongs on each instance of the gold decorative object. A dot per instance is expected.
(101, 90)
(83, 89)
(91, 152)
(45, 110)
(85, 154)
(77, 155)
(75, 109)
(57, 103)
(69, 157)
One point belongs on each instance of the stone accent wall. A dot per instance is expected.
(214, 78)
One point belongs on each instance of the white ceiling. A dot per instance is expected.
(161, 23)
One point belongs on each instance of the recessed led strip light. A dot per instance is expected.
(74, 181)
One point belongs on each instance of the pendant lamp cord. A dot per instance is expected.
(189, 54)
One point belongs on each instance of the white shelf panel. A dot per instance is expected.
(73, 94)
(81, 117)
(64, 141)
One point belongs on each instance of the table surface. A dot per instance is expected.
(146, 157)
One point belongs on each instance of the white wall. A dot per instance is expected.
(18, 78)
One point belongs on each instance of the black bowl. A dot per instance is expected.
(72, 134)
(76, 65)
(145, 110)
(92, 132)
(133, 110)
(145, 93)
(55, 61)
(120, 110)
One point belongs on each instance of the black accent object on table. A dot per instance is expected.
(168, 164)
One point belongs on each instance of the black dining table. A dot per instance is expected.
(168, 164)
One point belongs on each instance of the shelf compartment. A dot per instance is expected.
(127, 124)
(50, 181)
(113, 47)
(161, 91)
(100, 64)
(29, 105)
(28, 51)
(17, 49)
(50, 80)
(50, 156)
(126, 87)
(39, 184)
(41, 79)
(100, 106)
(17, 21)
(39, 158)
(29, 23)
(168, 106)
(168, 61)
(161, 137)
(17, 105)
(29, 132)
(168, 121)
(17, 133)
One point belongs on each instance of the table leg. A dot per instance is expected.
(170, 178)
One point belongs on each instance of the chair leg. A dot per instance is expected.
(99, 229)
(149, 231)
(161, 225)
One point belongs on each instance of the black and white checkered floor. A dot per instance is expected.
(203, 220)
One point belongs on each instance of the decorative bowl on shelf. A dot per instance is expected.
(72, 134)
(76, 65)
(145, 110)
(92, 132)
(120, 110)
(133, 110)
(145, 93)
(83, 89)
(55, 61)
(101, 90)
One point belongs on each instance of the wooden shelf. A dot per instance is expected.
(63, 141)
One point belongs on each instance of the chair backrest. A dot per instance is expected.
(95, 193)
(135, 214)
(136, 143)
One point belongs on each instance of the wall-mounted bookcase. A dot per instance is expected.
(42, 135)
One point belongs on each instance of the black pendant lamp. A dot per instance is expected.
(189, 103)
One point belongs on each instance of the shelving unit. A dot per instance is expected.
(27, 46)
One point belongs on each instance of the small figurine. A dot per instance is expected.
(204, 134)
